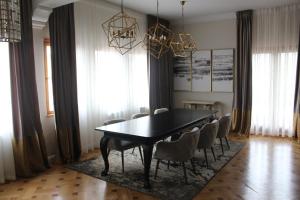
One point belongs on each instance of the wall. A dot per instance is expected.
(210, 35)
(48, 123)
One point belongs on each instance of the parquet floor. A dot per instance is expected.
(267, 168)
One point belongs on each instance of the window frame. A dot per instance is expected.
(50, 113)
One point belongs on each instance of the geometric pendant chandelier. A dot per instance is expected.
(121, 31)
(183, 43)
(10, 21)
(158, 38)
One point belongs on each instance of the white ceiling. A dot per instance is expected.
(43, 8)
(171, 9)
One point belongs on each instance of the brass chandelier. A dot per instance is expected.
(122, 31)
(183, 43)
(158, 38)
(10, 21)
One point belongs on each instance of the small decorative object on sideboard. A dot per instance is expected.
(199, 104)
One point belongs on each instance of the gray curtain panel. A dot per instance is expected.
(160, 75)
(297, 97)
(64, 79)
(28, 144)
(242, 101)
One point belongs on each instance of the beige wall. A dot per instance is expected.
(47, 122)
(210, 35)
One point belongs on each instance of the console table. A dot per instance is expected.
(195, 104)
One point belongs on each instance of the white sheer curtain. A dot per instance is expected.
(7, 166)
(275, 40)
(109, 85)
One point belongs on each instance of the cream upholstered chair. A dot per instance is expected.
(224, 127)
(160, 110)
(135, 116)
(121, 145)
(139, 115)
(180, 150)
(208, 134)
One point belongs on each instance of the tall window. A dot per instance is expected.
(273, 93)
(48, 78)
(5, 92)
(7, 169)
(275, 39)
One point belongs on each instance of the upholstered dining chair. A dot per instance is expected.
(208, 135)
(181, 150)
(139, 115)
(224, 127)
(160, 110)
(135, 116)
(121, 145)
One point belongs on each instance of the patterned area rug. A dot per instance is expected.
(169, 183)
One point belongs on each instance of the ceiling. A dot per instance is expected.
(168, 9)
(43, 8)
(171, 9)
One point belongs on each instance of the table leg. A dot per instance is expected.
(147, 149)
(103, 147)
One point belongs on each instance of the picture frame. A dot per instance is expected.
(222, 70)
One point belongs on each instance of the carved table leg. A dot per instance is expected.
(103, 147)
(147, 149)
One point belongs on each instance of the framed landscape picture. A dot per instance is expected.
(182, 73)
(201, 71)
(222, 70)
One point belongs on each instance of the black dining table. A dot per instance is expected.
(148, 130)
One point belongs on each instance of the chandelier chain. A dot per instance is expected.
(157, 17)
(182, 14)
(122, 6)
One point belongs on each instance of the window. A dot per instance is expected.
(48, 78)
(5, 93)
(273, 83)
(274, 61)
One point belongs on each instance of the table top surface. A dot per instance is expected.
(155, 127)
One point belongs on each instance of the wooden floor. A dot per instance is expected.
(267, 168)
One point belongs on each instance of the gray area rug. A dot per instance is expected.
(169, 183)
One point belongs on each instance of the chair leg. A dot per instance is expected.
(184, 172)
(227, 142)
(213, 153)
(221, 142)
(140, 150)
(192, 163)
(168, 164)
(205, 154)
(133, 150)
(122, 152)
(156, 169)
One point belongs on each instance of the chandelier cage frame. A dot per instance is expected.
(158, 37)
(183, 44)
(122, 31)
(10, 21)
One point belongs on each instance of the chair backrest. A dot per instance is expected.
(160, 110)
(224, 125)
(113, 142)
(114, 121)
(208, 134)
(138, 115)
(189, 142)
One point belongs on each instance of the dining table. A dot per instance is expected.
(148, 130)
